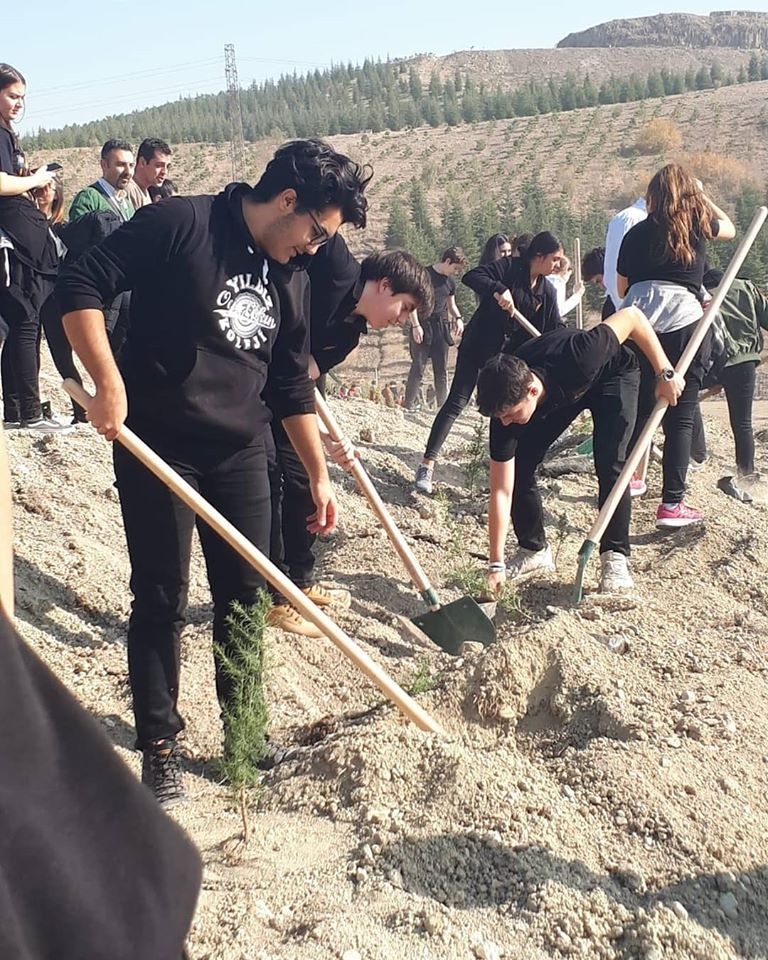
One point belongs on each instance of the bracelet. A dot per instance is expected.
(497, 566)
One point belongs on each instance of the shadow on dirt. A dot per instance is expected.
(469, 871)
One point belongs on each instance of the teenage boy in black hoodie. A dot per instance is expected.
(347, 298)
(533, 397)
(209, 331)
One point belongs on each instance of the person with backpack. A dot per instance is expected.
(431, 339)
(740, 323)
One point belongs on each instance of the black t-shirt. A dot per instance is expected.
(90, 866)
(444, 288)
(642, 257)
(11, 155)
(569, 363)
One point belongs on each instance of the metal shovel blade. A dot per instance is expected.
(453, 624)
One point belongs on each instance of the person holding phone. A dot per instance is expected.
(29, 263)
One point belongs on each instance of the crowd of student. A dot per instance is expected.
(241, 302)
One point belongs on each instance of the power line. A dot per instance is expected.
(87, 104)
(57, 90)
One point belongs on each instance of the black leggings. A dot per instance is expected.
(739, 385)
(463, 383)
(678, 420)
(20, 304)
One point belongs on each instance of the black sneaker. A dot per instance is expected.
(160, 771)
(729, 487)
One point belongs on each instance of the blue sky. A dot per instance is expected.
(84, 60)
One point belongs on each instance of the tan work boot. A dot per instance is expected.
(328, 596)
(287, 618)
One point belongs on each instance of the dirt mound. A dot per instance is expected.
(602, 788)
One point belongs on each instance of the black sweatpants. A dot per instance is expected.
(20, 305)
(678, 420)
(158, 528)
(463, 383)
(290, 543)
(434, 348)
(613, 404)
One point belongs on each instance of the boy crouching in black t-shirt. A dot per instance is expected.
(532, 398)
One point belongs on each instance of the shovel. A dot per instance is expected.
(406, 704)
(643, 444)
(447, 625)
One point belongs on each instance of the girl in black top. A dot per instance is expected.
(496, 247)
(501, 284)
(28, 265)
(660, 270)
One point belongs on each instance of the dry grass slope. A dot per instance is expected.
(585, 155)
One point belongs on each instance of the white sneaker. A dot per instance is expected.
(526, 561)
(423, 481)
(614, 574)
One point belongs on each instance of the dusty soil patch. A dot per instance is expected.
(586, 803)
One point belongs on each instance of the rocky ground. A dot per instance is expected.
(602, 790)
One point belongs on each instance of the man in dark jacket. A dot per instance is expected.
(209, 332)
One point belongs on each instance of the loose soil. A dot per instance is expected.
(585, 802)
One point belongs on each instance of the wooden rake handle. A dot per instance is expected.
(406, 704)
(412, 565)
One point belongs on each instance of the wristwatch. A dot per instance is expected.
(666, 374)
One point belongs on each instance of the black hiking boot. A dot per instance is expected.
(160, 771)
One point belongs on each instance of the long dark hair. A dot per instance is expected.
(492, 248)
(9, 75)
(677, 205)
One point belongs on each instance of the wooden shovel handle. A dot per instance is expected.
(577, 282)
(412, 565)
(406, 704)
(525, 323)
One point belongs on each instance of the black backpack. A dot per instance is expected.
(81, 235)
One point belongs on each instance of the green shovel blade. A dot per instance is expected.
(456, 622)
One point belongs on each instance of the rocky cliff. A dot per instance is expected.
(742, 29)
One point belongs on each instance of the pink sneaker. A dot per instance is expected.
(637, 487)
(677, 516)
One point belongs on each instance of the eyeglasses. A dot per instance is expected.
(322, 236)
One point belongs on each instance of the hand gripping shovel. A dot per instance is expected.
(450, 625)
(644, 440)
(268, 570)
